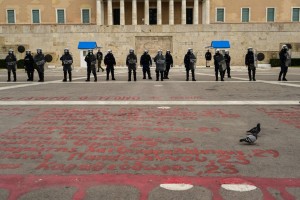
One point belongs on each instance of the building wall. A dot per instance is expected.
(266, 38)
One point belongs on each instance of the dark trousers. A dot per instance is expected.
(99, 65)
(251, 71)
(188, 74)
(161, 75)
(9, 74)
(66, 72)
(91, 69)
(108, 71)
(129, 74)
(283, 71)
(222, 74)
(30, 74)
(146, 70)
(228, 70)
(40, 70)
(166, 73)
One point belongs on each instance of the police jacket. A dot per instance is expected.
(145, 60)
(227, 58)
(39, 59)
(66, 59)
(99, 55)
(28, 61)
(10, 60)
(169, 59)
(285, 59)
(208, 56)
(131, 60)
(160, 62)
(217, 59)
(249, 59)
(190, 61)
(90, 60)
(109, 60)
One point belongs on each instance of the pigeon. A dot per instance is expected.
(255, 130)
(250, 139)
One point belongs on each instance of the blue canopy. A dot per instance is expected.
(87, 45)
(224, 44)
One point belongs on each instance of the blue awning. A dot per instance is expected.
(222, 44)
(87, 45)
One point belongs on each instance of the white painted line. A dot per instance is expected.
(176, 186)
(150, 103)
(164, 107)
(239, 187)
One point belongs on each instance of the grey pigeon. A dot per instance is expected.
(255, 130)
(250, 139)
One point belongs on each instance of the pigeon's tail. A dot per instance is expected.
(243, 140)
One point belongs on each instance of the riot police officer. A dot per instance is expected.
(90, 60)
(29, 65)
(218, 60)
(99, 56)
(227, 60)
(250, 63)
(67, 62)
(131, 61)
(169, 64)
(208, 58)
(160, 62)
(11, 62)
(146, 62)
(190, 64)
(285, 62)
(39, 60)
(110, 62)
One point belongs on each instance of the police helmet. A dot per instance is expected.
(226, 51)
(109, 51)
(217, 50)
(250, 49)
(284, 46)
(168, 51)
(10, 51)
(131, 50)
(66, 50)
(146, 51)
(28, 52)
(90, 51)
(39, 50)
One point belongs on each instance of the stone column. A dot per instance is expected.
(102, 12)
(146, 17)
(158, 12)
(109, 12)
(99, 12)
(207, 12)
(122, 12)
(203, 12)
(196, 11)
(134, 13)
(183, 11)
(171, 12)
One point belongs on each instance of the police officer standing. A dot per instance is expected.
(227, 60)
(218, 58)
(285, 62)
(131, 61)
(160, 62)
(67, 62)
(39, 60)
(29, 65)
(110, 62)
(250, 62)
(99, 59)
(208, 58)
(11, 62)
(169, 64)
(146, 63)
(190, 64)
(90, 60)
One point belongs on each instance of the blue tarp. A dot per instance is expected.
(222, 44)
(87, 45)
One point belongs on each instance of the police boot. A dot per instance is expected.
(279, 77)
(129, 75)
(95, 76)
(283, 78)
(187, 76)
(162, 76)
(157, 76)
(166, 75)
(193, 75)
(65, 76)
(107, 75)
(70, 76)
(29, 75)
(217, 76)
(42, 75)
(149, 75)
(134, 75)
(8, 76)
(222, 75)
(98, 69)
(113, 76)
(228, 73)
(144, 75)
(249, 74)
(15, 76)
(253, 75)
(88, 77)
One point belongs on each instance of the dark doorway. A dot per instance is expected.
(189, 16)
(152, 16)
(116, 16)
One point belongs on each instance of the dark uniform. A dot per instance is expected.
(218, 62)
(67, 62)
(227, 60)
(90, 60)
(208, 58)
(285, 62)
(190, 64)
(250, 62)
(99, 59)
(29, 65)
(169, 64)
(11, 62)
(131, 61)
(110, 62)
(39, 60)
(146, 63)
(160, 62)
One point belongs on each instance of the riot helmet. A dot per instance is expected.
(226, 51)
(66, 51)
(159, 52)
(90, 51)
(168, 52)
(28, 52)
(131, 51)
(250, 49)
(10, 51)
(109, 51)
(39, 51)
(217, 50)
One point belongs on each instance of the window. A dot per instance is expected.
(116, 16)
(60, 16)
(220, 16)
(245, 14)
(152, 16)
(270, 14)
(189, 16)
(36, 16)
(296, 15)
(11, 18)
(85, 16)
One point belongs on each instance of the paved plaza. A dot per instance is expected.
(116, 140)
